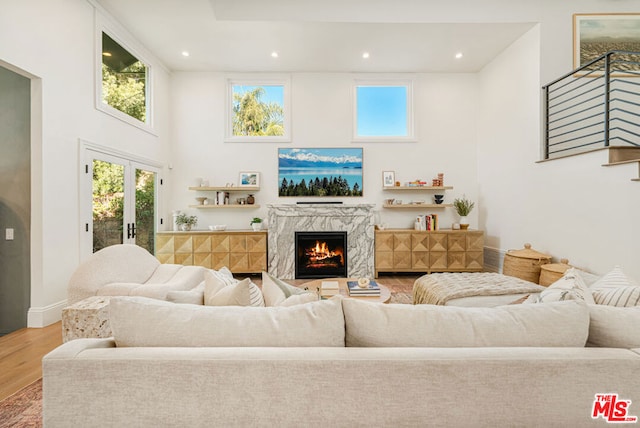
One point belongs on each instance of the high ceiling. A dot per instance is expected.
(315, 36)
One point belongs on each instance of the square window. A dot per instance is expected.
(383, 112)
(258, 111)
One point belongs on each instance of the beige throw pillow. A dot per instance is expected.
(219, 291)
(614, 327)
(278, 293)
(616, 289)
(550, 324)
(140, 321)
(570, 287)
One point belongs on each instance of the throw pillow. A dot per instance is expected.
(616, 289)
(558, 324)
(140, 321)
(613, 327)
(570, 287)
(219, 290)
(278, 293)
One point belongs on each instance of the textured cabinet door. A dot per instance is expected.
(401, 242)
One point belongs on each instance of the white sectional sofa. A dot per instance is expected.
(346, 363)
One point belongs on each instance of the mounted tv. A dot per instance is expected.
(323, 172)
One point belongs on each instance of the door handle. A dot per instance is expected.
(133, 230)
(128, 230)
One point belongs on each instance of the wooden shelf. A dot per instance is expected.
(400, 206)
(226, 189)
(213, 206)
(417, 188)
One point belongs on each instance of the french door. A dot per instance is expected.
(120, 202)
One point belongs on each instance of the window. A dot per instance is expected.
(383, 111)
(258, 110)
(123, 91)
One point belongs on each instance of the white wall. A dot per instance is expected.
(53, 44)
(445, 110)
(570, 208)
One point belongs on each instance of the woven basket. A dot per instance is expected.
(552, 272)
(524, 264)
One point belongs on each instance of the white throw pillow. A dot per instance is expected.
(220, 291)
(139, 321)
(616, 289)
(278, 293)
(613, 327)
(570, 287)
(564, 324)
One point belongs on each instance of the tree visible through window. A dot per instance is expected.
(258, 110)
(124, 80)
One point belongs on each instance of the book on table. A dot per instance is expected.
(372, 289)
(329, 288)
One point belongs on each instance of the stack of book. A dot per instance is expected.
(329, 288)
(372, 289)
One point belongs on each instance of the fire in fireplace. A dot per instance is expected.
(321, 254)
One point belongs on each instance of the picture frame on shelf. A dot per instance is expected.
(596, 34)
(249, 179)
(388, 178)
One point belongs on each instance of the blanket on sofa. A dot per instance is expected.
(439, 288)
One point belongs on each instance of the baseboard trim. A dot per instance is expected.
(44, 316)
(493, 259)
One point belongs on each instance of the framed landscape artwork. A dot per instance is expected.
(249, 179)
(594, 35)
(320, 172)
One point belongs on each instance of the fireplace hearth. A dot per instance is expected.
(320, 254)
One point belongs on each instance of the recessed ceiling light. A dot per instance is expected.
(274, 54)
(459, 55)
(365, 55)
(185, 53)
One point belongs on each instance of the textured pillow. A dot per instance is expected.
(222, 292)
(616, 289)
(614, 327)
(570, 287)
(194, 296)
(139, 321)
(278, 293)
(549, 324)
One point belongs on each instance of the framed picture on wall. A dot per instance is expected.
(249, 179)
(596, 34)
(388, 178)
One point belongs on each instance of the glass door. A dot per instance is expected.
(144, 218)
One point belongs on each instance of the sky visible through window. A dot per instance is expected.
(272, 93)
(381, 111)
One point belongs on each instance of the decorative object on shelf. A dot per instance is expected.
(204, 183)
(220, 196)
(438, 199)
(241, 201)
(321, 172)
(249, 179)
(175, 215)
(186, 222)
(463, 207)
(256, 223)
(388, 178)
(201, 200)
(218, 227)
(251, 199)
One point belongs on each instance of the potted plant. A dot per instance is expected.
(256, 223)
(185, 222)
(463, 207)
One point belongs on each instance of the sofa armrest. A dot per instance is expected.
(74, 347)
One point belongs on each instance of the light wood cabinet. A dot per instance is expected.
(406, 250)
(241, 251)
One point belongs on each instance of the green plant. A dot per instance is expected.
(256, 220)
(463, 206)
(189, 220)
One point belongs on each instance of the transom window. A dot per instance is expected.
(383, 111)
(124, 81)
(258, 110)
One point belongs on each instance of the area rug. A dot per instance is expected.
(406, 298)
(24, 408)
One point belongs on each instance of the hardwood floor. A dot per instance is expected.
(21, 355)
(21, 352)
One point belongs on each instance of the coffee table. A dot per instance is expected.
(384, 297)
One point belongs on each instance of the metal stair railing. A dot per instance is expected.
(594, 106)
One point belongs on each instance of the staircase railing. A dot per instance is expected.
(594, 106)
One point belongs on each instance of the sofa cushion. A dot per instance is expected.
(614, 327)
(138, 321)
(219, 290)
(548, 324)
(278, 293)
(194, 296)
(570, 287)
(616, 289)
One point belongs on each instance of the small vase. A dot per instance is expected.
(464, 223)
(251, 200)
(256, 226)
(185, 227)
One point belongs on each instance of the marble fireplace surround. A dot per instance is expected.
(285, 219)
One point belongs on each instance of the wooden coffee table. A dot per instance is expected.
(384, 297)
